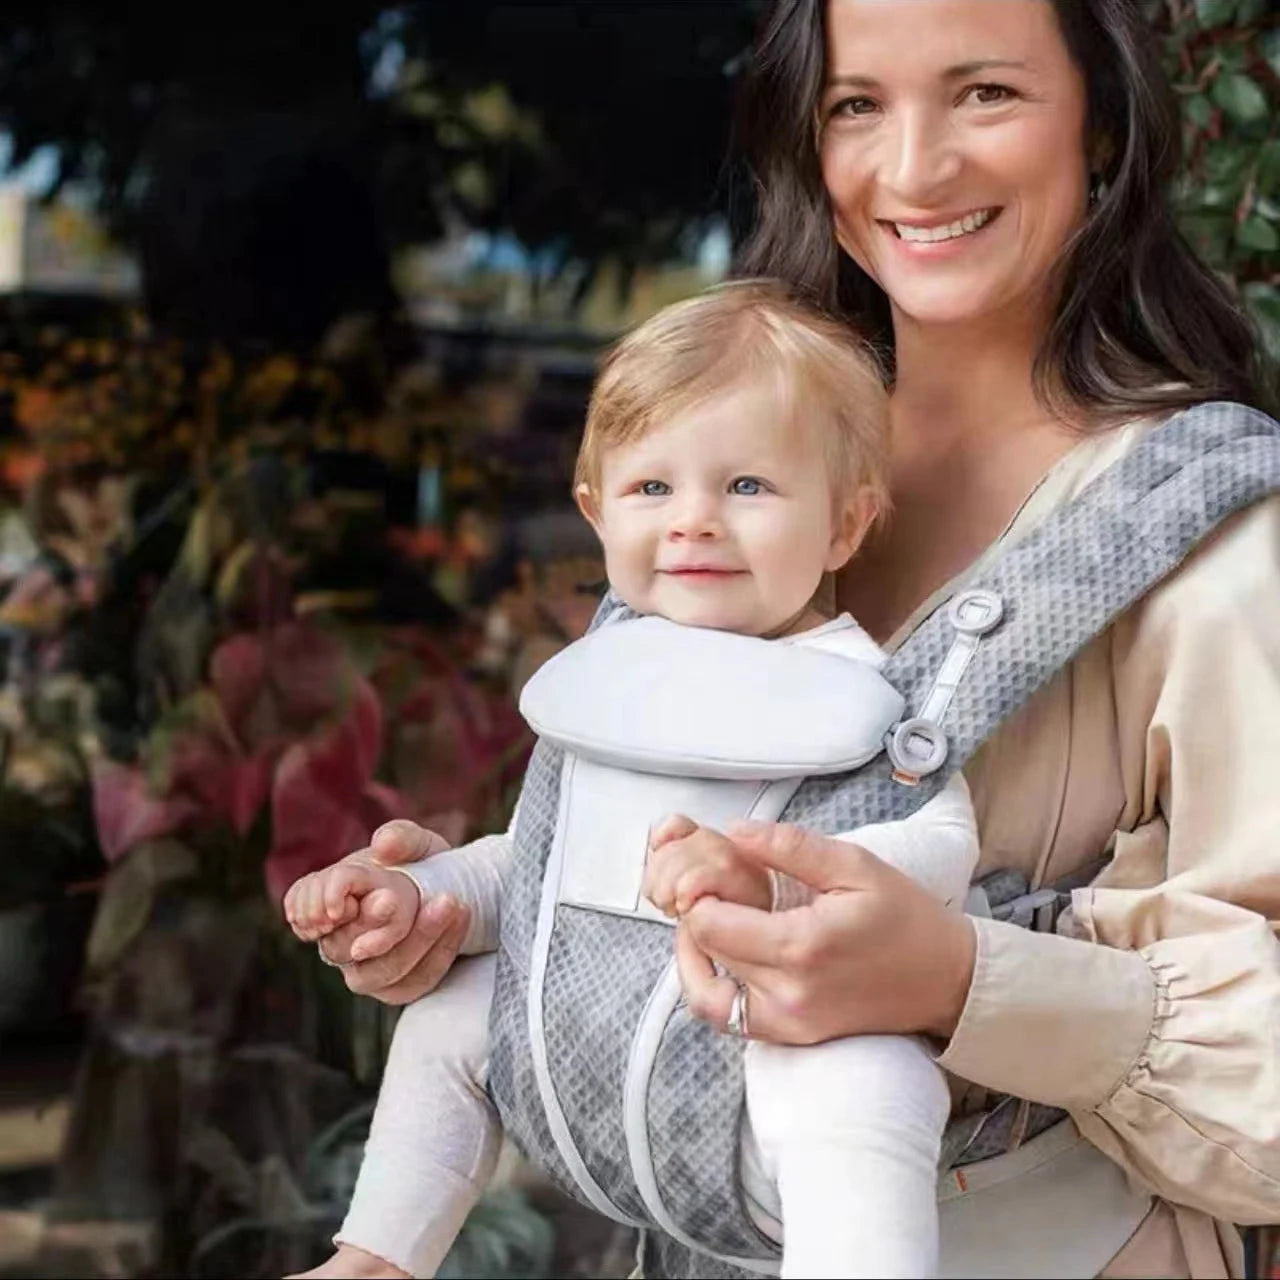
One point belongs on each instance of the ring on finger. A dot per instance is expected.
(333, 964)
(738, 1024)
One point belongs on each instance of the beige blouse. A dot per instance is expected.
(1161, 743)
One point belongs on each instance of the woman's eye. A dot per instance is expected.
(989, 93)
(860, 106)
(653, 488)
(748, 486)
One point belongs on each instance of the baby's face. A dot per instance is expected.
(722, 517)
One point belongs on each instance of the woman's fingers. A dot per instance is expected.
(414, 965)
(371, 976)
(428, 972)
(821, 862)
(386, 919)
(744, 938)
(403, 841)
(708, 992)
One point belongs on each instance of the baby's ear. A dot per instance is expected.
(853, 522)
(589, 505)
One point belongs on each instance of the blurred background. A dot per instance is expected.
(299, 309)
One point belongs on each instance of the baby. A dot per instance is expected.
(735, 455)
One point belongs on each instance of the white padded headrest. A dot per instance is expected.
(652, 695)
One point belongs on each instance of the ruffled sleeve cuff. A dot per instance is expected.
(1056, 1020)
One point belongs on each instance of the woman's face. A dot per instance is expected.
(953, 149)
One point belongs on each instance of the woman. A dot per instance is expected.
(984, 184)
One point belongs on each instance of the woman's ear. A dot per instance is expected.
(588, 505)
(1102, 153)
(853, 522)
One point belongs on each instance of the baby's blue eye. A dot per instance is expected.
(749, 486)
(655, 488)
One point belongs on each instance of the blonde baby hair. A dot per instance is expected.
(730, 336)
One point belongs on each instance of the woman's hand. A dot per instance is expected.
(416, 964)
(873, 953)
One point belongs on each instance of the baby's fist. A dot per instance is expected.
(688, 862)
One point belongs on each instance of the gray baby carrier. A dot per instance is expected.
(642, 1122)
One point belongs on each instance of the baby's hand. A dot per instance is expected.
(382, 902)
(688, 862)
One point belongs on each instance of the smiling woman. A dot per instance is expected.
(978, 117)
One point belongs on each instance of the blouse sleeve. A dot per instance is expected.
(1164, 1040)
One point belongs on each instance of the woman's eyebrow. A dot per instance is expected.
(962, 69)
(853, 81)
(959, 71)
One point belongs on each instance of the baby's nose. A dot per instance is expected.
(697, 517)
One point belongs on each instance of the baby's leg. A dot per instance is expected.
(435, 1134)
(850, 1132)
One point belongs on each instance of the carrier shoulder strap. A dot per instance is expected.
(1094, 558)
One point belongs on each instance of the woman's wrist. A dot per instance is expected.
(959, 948)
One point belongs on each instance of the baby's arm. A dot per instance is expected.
(474, 874)
(937, 846)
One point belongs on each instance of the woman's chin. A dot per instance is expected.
(943, 310)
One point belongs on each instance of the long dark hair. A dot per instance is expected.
(1141, 325)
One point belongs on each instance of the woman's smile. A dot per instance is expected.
(939, 239)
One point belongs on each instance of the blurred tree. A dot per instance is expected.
(266, 158)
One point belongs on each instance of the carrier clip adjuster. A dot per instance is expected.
(917, 747)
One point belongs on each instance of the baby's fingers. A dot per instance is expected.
(304, 907)
(342, 884)
(658, 884)
(701, 881)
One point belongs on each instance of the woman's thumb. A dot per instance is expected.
(403, 841)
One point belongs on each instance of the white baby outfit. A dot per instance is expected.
(840, 1140)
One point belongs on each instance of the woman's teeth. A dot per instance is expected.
(929, 235)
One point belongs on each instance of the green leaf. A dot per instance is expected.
(1215, 13)
(1210, 234)
(1231, 57)
(1256, 233)
(1250, 11)
(1199, 110)
(1263, 301)
(1228, 161)
(1268, 172)
(1241, 98)
(128, 896)
(1270, 46)
(1214, 197)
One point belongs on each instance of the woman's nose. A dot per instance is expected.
(922, 156)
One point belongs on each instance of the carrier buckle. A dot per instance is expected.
(916, 748)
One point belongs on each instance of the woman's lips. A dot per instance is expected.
(945, 247)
